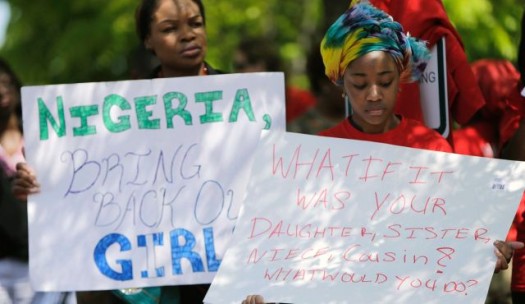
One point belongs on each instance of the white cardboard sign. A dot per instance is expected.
(331, 220)
(141, 181)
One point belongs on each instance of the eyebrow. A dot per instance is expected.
(363, 74)
(169, 20)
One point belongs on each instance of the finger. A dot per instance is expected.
(25, 185)
(253, 299)
(516, 245)
(502, 262)
(26, 174)
(505, 249)
(25, 179)
(22, 188)
(23, 168)
(20, 166)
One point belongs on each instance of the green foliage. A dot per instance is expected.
(92, 40)
(489, 28)
(69, 41)
(288, 23)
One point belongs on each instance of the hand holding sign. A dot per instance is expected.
(25, 182)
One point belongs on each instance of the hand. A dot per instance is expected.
(24, 182)
(504, 251)
(253, 299)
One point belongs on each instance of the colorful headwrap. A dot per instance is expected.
(363, 29)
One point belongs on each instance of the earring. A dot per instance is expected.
(348, 106)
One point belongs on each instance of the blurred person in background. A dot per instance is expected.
(15, 286)
(329, 108)
(257, 54)
(515, 150)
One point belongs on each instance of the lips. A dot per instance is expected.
(375, 111)
(191, 51)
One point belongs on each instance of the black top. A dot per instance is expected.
(209, 69)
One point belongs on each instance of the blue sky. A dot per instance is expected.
(4, 18)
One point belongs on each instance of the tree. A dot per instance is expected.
(80, 41)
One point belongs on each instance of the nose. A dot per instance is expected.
(187, 33)
(374, 93)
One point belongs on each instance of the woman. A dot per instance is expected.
(15, 286)
(367, 53)
(14, 272)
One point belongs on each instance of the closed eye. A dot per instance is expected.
(169, 29)
(197, 24)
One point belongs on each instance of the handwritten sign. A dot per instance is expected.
(141, 180)
(340, 221)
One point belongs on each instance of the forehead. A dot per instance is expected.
(376, 61)
(175, 8)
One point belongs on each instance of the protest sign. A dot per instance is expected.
(330, 220)
(141, 181)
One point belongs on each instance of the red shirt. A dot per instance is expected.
(409, 133)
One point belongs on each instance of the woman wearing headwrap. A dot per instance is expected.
(367, 53)
(175, 32)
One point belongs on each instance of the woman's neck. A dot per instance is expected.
(391, 124)
(198, 71)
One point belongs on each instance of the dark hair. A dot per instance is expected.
(144, 16)
(6, 69)
(315, 68)
(259, 49)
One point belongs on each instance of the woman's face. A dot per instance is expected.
(372, 83)
(178, 37)
(9, 95)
